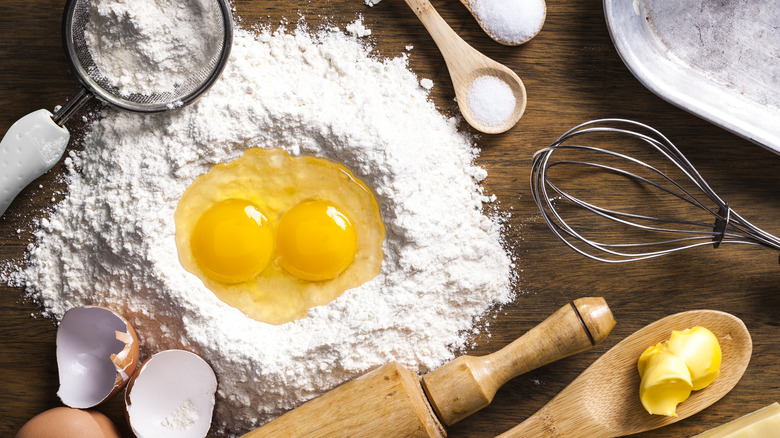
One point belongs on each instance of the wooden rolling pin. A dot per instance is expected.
(390, 402)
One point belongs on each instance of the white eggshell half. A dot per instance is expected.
(97, 353)
(171, 395)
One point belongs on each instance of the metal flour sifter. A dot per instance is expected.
(36, 142)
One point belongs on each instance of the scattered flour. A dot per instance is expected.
(110, 241)
(183, 417)
(151, 46)
(357, 29)
(426, 83)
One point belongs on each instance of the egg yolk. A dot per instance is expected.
(315, 241)
(232, 241)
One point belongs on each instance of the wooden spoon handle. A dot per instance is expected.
(533, 426)
(468, 384)
(561, 421)
(454, 49)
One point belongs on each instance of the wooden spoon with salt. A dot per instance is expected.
(465, 65)
(496, 27)
(603, 401)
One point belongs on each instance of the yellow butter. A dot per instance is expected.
(689, 360)
(644, 359)
(699, 349)
(763, 423)
(666, 382)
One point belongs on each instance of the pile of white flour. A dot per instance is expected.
(111, 240)
(152, 46)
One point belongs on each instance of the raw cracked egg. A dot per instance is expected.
(275, 235)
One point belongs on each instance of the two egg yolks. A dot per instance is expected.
(233, 241)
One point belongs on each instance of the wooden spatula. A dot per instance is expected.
(603, 401)
(390, 402)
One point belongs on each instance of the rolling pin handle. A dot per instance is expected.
(468, 384)
(595, 316)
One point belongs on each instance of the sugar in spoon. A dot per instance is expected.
(603, 402)
(508, 23)
(465, 65)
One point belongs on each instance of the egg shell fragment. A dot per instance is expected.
(97, 353)
(65, 422)
(171, 395)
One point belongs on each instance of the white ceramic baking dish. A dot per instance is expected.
(719, 60)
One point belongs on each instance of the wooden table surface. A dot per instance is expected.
(572, 73)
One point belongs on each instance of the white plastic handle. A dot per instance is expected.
(32, 146)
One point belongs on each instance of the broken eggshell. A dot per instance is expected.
(171, 395)
(97, 353)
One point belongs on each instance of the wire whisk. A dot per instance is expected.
(584, 190)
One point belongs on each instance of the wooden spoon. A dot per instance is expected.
(497, 38)
(604, 401)
(466, 64)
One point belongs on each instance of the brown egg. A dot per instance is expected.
(68, 423)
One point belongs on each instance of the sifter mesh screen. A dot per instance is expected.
(77, 15)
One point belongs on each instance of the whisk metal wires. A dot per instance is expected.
(584, 193)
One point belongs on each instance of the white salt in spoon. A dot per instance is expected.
(466, 65)
(509, 22)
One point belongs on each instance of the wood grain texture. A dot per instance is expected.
(387, 399)
(572, 73)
